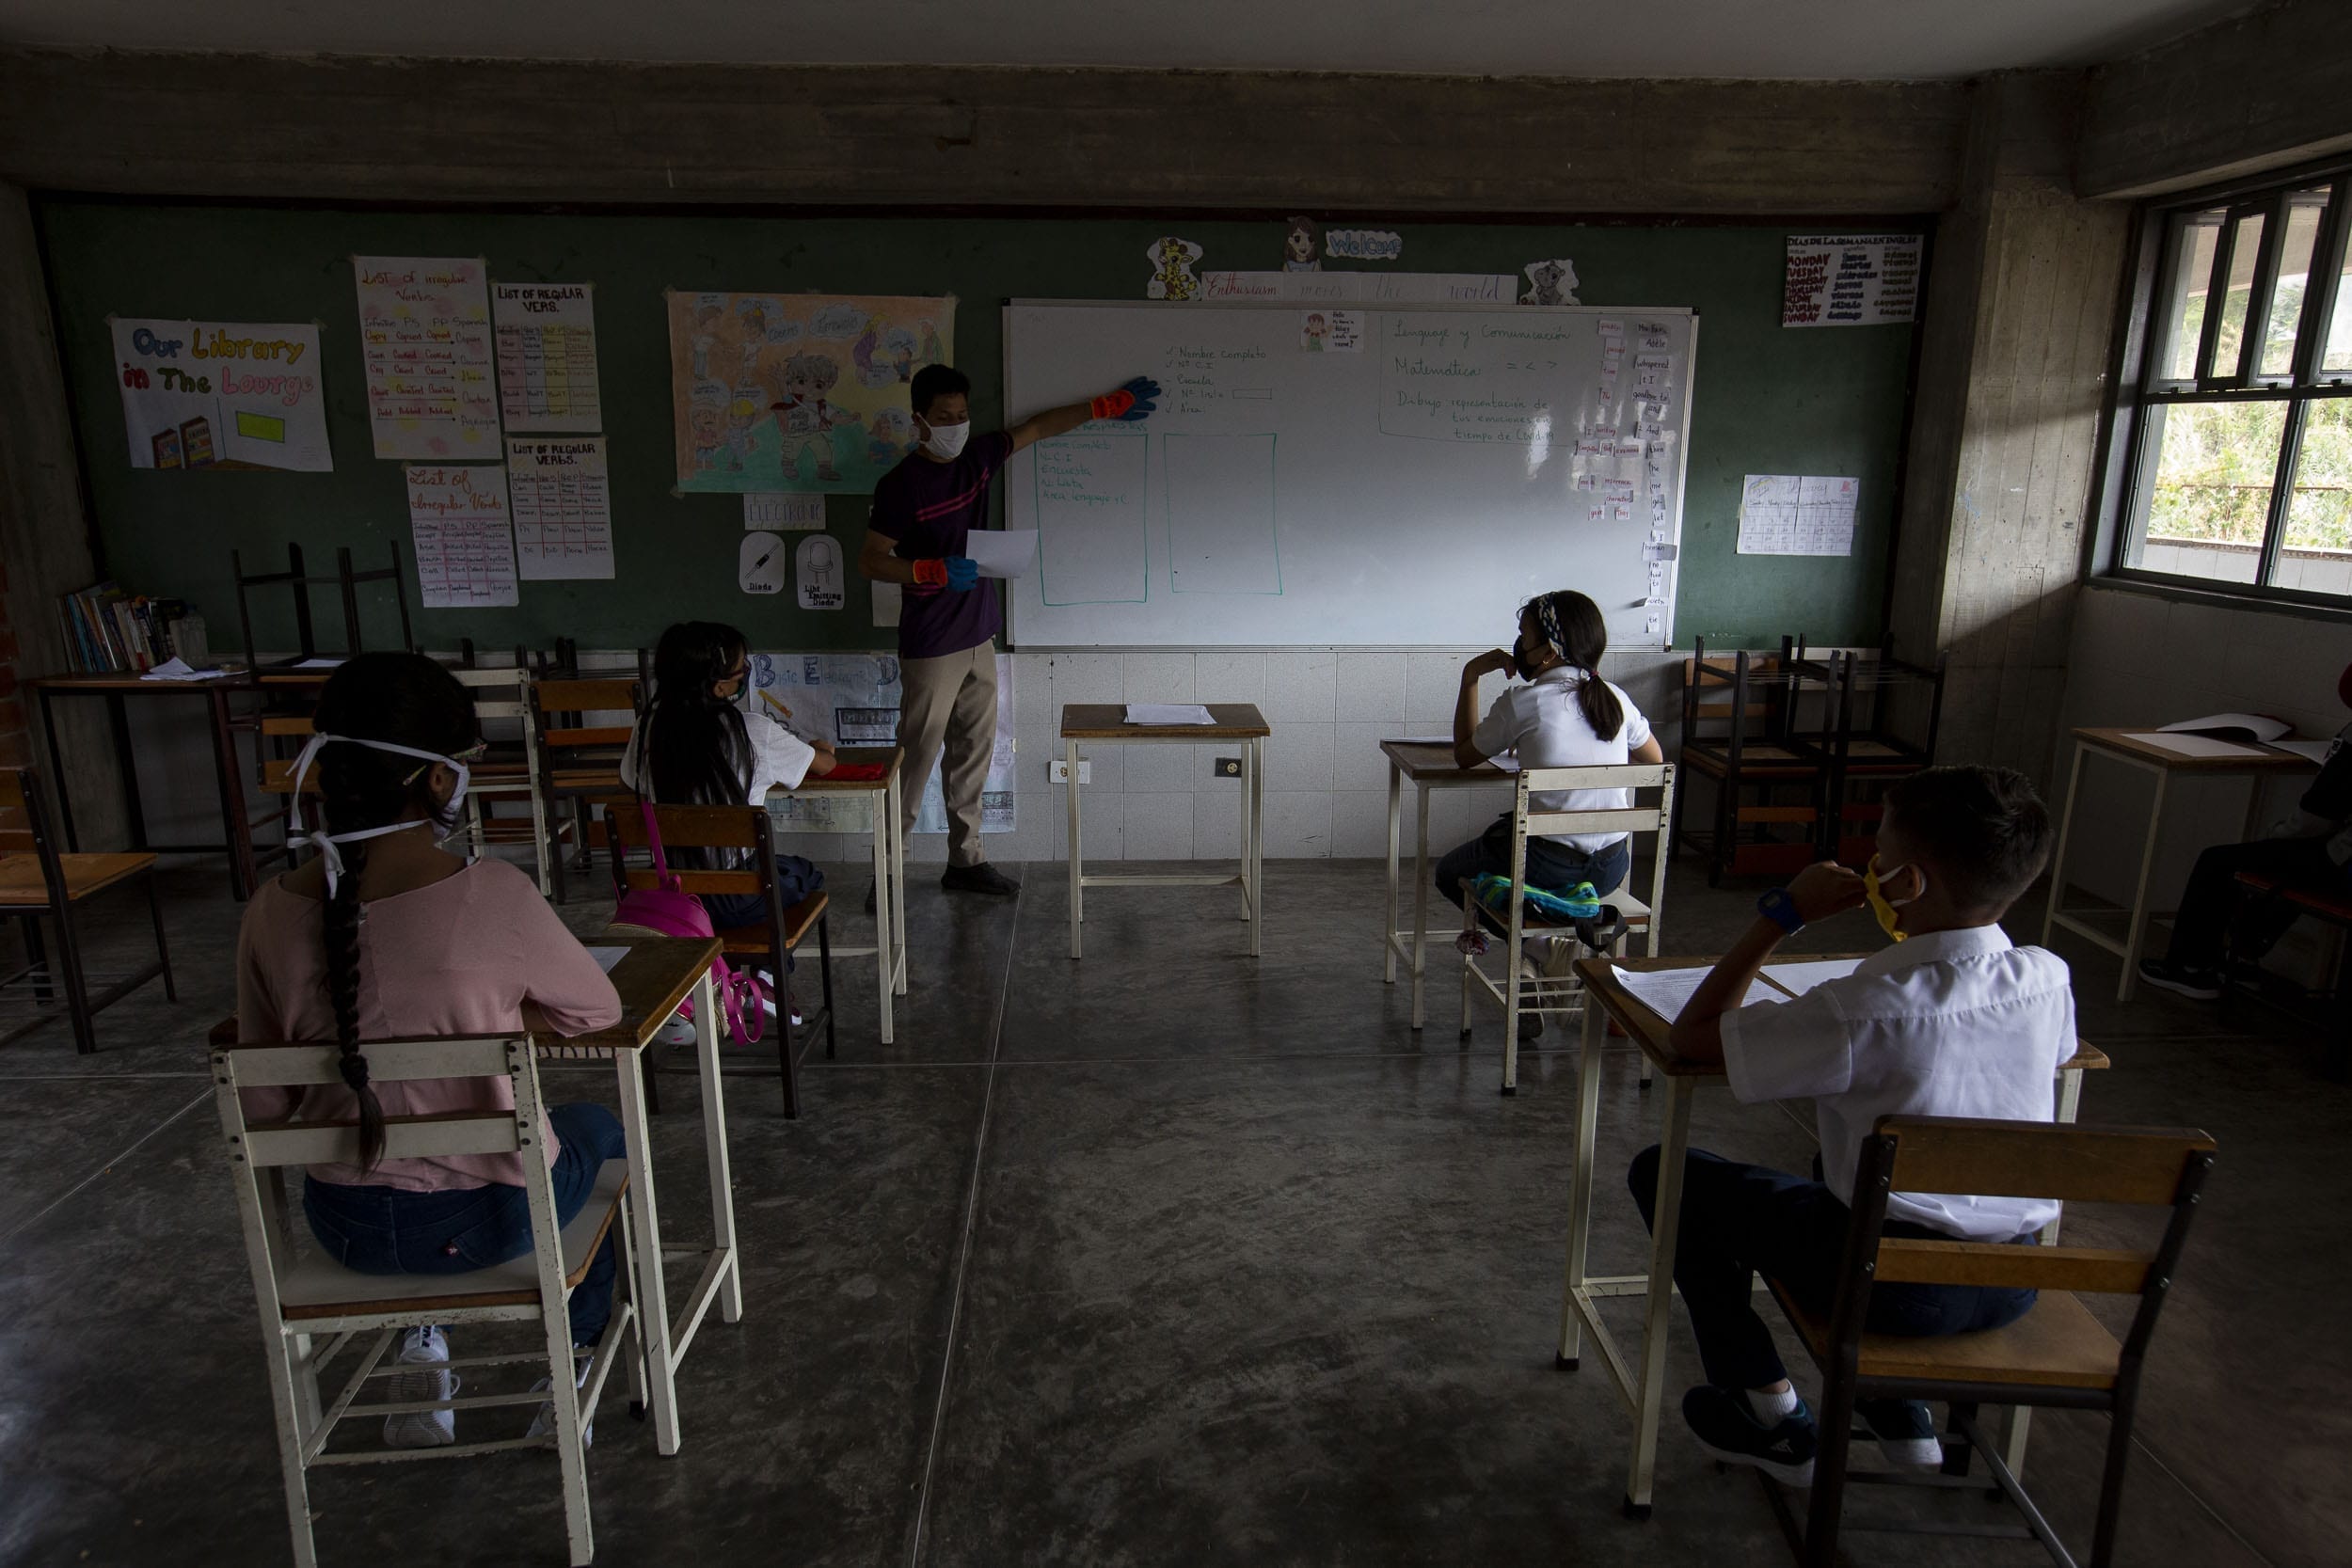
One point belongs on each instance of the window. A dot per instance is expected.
(2232, 457)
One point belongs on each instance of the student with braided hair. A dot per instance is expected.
(384, 935)
(1566, 716)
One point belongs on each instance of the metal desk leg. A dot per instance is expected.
(1387, 926)
(2058, 860)
(57, 791)
(1077, 874)
(1581, 1187)
(898, 883)
(1421, 903)
(729, 1255)
(1651, 1390)
(886, 897)
(653, 1299)
(2124, 986)
(119, 719)
(243, 873)
(1255, 755)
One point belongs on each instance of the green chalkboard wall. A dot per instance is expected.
(1767, 400)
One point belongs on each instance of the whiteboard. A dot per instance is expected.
(1327, 477)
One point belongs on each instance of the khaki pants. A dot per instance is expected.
(951, 698)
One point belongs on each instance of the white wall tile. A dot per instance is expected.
(1231, 677)
(1216, 826)
(1157, 827)
(1356, 762)
(1032, 838)
(1297, 824)
(1431, 680)
(1302, 685)
(1370, 686)
(1359, 824)
(1300, 755)
(1106, 769)
(1085, 678)
(1160, 678)
(1163, 766)
(1102, 820)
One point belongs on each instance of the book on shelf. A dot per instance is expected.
(106, 631)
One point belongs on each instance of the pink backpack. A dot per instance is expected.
(669, 911)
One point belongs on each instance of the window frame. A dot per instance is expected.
(2143, 346)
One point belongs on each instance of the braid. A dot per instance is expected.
(1576, 629)
(341, 934)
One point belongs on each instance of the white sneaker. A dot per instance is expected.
(678, 1031)
(543, 1424)
(425, 1347)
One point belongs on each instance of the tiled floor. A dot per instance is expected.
(1167, 1256)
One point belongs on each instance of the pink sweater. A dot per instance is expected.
(458, 957)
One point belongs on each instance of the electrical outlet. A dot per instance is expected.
(1228, 767)
(1061, 773)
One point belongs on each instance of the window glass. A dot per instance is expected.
(2209, 493)
(2246, 243)
(2192, 276)
(2286, 300)
(2316, 551)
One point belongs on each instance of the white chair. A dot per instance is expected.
(1518, 994)
(304, 1297)
(504, 695)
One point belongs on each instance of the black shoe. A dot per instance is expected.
(1905, 1432)
(2204, 985)
(982, 878)
(869, 898)
(1726, 1427)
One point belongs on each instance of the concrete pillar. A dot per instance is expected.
(2021, 306)
(44, 527)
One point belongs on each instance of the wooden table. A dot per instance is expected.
(655, 975)
(1429, 767)
(1238, 722)
(1643, 1388)
(244, 874)
(2119, 745)
(890, 867)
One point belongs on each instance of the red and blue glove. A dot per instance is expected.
(1131, 403)
(958, 572)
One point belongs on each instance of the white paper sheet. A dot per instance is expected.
(1168, 713)
(546, 356)
(2237, 726)
(178, 669)
(1798, 979)
(197, 394)
(562, 505)
(425, 343)
(607, 956)
(331, 664)
(889, 599)
(2315, 750)
(1001, 552)
(1797, 515)
(2193, 745)
(464, 543)
(1664, 992)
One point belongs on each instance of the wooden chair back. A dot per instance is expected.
(350, 580)
(19, 833)
(691, 829)
(1654, 780)
(563, 707)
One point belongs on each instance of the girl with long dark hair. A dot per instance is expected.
(384, 935)
(1566, 716)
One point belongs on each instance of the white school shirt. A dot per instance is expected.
(779, 758)
(1542, 722)
(1951, 1023)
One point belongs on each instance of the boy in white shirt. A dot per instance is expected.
(1951, 1021)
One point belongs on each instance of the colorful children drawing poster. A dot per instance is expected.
(797, 392)
(424, 332)
(222, 394)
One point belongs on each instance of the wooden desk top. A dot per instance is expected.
(653, 978)
(2271, 759)
(1427, 764)
(1108, 721)
(892, 758)
(1651, 1032)
(236, 680)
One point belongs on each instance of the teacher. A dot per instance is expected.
(923, 509)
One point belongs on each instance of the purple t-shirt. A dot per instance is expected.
(928, 508)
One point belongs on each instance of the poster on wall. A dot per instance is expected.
(424, 334)
(221, 394)
(563, 508)
(1851, 279)
(462, 534)
(797, 392)
(546, 355)
(852, 700)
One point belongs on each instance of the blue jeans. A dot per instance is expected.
(391, 1230)
(1736, 1219)
(1554, 867)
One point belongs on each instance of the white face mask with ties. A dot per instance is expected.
(323, 842)
(946, 440)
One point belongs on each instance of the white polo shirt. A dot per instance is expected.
(1951, 1023)
(1542, 722)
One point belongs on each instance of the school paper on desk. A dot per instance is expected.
(1664, 992)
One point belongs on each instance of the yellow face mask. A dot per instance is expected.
(1884, 908)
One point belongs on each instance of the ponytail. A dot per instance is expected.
(1574, 627)
(407, 700)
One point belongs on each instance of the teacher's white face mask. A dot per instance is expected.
(944, 441)
(324, 843)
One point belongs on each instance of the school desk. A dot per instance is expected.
(228, 779)
(890, 866)
(1643, 1388)
(1234, 721)
(1428, 767)
(2118, 745)
(653, 978)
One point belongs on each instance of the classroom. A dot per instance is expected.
(1073, 784)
